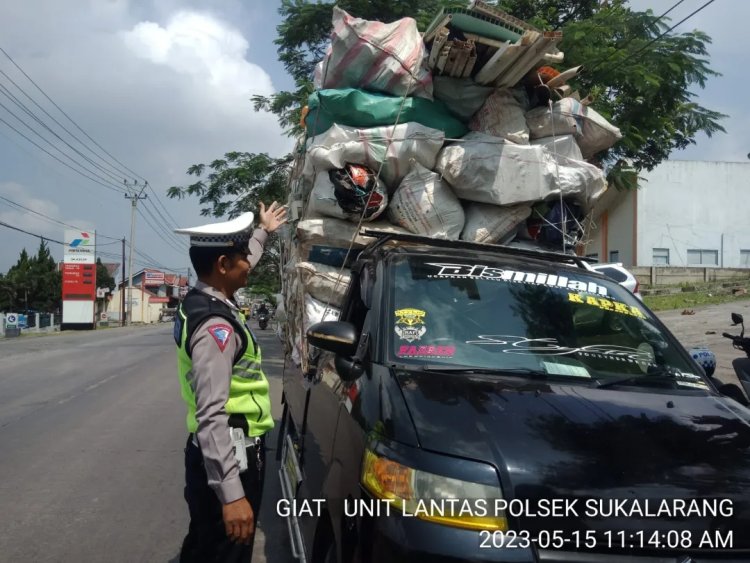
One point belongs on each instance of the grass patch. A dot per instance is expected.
(688, 300)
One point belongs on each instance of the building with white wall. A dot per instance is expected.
(685, 213)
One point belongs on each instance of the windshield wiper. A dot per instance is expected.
(527, 372)
(659, 376)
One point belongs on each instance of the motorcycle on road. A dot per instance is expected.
(263, 321)
(741, 342)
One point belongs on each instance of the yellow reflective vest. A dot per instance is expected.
(248, 405)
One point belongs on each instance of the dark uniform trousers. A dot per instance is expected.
(206, 540)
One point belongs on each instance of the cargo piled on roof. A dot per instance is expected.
(469, 131)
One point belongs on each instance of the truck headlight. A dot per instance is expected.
(431, 497)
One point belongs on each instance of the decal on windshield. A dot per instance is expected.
(606, 304)
(478, 271)
(410, 325)
(425, 351)
(551, 347)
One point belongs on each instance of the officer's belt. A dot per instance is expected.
(249, 442)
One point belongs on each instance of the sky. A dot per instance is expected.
(163, 84)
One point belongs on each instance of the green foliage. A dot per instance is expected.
(103, 279)
(646, 91)
(33, 283)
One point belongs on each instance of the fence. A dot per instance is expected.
(34, 322)
(659, 276)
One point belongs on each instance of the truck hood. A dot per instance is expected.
(555, 441)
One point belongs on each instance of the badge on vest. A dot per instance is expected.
(221, 334)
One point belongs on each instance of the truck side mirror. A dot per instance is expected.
(338, 337)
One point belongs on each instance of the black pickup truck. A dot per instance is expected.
(484, 403)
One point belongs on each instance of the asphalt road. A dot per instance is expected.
(91, 449)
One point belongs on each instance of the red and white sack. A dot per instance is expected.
(502, 115)
(384, 57)
(569, 116)
(396, 145)
(324, 283)
(492, 223)
(425, 205)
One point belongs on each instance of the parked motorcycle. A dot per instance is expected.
(740, 342)
(263, 321)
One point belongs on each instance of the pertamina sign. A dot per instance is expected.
(80, 247)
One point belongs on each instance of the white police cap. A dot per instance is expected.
(234, 233)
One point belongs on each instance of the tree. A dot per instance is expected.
(103, 278)
(640, 81)
(33, 283)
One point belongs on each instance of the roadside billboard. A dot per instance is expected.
(79, 279)
(153, 277)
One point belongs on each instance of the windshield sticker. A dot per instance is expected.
(556, 368)
(410, 351)
(606, 304)
(480, 272)
(410, 325)
(551, 347)
(690, 380)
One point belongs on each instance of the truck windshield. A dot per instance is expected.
(522, 320)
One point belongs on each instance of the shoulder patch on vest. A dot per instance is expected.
(221, 333)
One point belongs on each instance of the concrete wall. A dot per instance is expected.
(694, 205)
(653, 276)
(143, 311)
(613, 227)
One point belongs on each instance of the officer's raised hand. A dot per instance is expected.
(273, 217)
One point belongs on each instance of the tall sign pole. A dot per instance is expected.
(134, 197)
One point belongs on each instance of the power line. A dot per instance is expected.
(52, 219)
(600, 62)
(158, 199)
(165, 234)
(60, 161)
(8, 94)
(67, 116)
(4, 224)
(655, 39)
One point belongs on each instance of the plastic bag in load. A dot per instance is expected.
(462, 96)
(492, 223)
(487, 169)
(396, 145)
(502, 115)
(324, 283)
(345, 193)
(425, 205)
(569, 116)
(327, 240)
(564, 145)
(384, 57)
(317, 312)
(357, 108)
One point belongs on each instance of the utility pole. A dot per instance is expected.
(134, 197)
(122, 287)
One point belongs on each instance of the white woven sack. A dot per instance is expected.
(336, 233)
(323, 201)
(385, 57)
(492, 223)
(488, 169)
(564, 145)
(324, 283)
(593, 133)
(502, 115)
(396, 145)
(425, 205)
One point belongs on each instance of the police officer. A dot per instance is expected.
(226, 391)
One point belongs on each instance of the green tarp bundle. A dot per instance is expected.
(358, 108)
